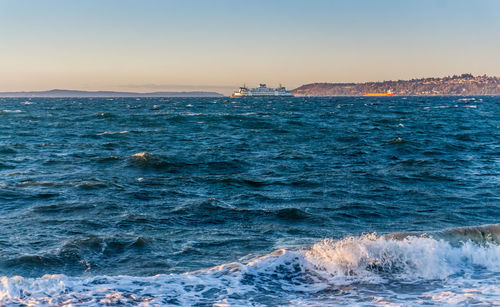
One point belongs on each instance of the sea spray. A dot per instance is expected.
(287, 275)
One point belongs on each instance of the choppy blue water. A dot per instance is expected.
(292, 201)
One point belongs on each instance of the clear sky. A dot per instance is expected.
(144, 45)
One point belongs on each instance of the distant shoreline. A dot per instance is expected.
(462, 85)
(57, 93)
(386, 97)
(457, 85)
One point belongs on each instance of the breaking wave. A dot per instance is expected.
(442, 267)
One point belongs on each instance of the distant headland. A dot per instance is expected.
(456, 85)
(71, 93)
(465, 84)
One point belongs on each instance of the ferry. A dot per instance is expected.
(388, 93)
(260, 91)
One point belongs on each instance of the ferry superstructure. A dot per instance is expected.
(260, 91)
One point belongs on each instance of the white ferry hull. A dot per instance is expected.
(262, 91)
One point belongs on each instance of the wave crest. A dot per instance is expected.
(377, 264)
(371, 258)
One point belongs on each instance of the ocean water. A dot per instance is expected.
(250, 202)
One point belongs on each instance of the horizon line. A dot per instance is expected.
(207, 88)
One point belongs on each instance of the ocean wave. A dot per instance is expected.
(374, 259)
(113, 133)
(108, 159)
(431, 268)
(6, 166)
(155, 162)
(108, 245)
(172, 164)
(467, 99)
(88, 184)
(68, 207)
(105, 115)
(7, 150)
(214, 212)
(441, 107)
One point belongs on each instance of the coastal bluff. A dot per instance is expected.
(463, 85)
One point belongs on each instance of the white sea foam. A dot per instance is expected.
(111, 133)
(441, 107)
(466, 99)
(363, 258)
(142, 155)
(439, 271)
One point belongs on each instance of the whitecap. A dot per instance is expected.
(466, 99)
(110, 133)
(142, 155)
(299, 276)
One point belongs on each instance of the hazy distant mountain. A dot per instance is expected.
(465, 84)
(70, 93)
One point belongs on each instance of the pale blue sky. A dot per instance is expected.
(147, 45)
